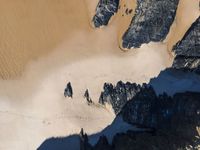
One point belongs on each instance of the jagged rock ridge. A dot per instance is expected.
(187, 50)
(118, 95)
(104, 11)
(151, 22)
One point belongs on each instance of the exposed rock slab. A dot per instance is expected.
(151, 22)
(187, 50)
(104, 11)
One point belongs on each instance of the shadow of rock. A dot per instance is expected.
(71, 142)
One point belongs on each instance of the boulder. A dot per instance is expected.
(68, 90)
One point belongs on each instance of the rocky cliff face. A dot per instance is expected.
(152, 21)
(187, 50)
(104, 11)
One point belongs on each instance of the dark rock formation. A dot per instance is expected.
(159, 140)
(118, 95)
(104, 11)
(187, 50)
(87, 96)
(151, 22)
(141, 109)
(84, 144)
(148, 110)
(68, 90)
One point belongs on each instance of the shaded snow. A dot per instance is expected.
(173, 81)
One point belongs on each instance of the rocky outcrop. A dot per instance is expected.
(187, 50)
(187, 63)
(148, 110)
(104, 11)
(156, 140)
(151, 22)
(68, 90)
(118, 95)
(142, 109)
